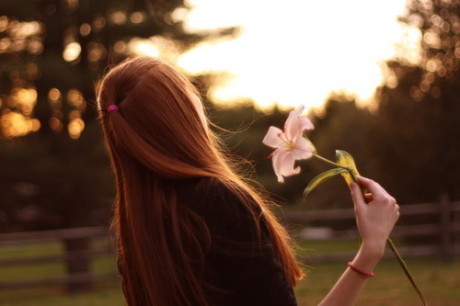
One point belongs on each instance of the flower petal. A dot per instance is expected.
(299, 154)
(284, 165)
(272, 138)
(287, 166)
(304, 149)
(305, 124)
(276, 157)
(291, 127)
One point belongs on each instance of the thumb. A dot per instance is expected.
(357, 196)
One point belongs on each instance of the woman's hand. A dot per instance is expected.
(376, 214)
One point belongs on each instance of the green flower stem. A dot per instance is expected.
(331, 163)
(405, 269)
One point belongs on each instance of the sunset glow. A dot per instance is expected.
(298, 52)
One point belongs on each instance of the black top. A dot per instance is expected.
(254, 276)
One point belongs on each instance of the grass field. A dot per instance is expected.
(439, 281)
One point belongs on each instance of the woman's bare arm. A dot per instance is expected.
(375, 221)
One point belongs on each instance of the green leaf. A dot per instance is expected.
(345, 159)
(321, 178)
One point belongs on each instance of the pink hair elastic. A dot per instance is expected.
(112, 107)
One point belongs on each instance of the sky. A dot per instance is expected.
(295, 51)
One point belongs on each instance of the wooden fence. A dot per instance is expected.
(435, 227)
(442, 232)
(77, 256)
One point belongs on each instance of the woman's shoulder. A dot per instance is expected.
(220, 205)
(212, 195)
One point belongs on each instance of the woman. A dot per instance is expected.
(190, 230)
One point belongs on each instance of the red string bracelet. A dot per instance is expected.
(350, 265)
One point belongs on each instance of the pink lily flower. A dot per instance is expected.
(289, 145)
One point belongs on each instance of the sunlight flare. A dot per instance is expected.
(298, 52)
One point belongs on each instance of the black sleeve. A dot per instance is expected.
(250, 275)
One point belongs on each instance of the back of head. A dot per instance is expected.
(156, 139)
(156, 122)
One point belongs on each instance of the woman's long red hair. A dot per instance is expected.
(155, 139)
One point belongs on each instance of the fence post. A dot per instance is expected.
(445, 230)
(78, 265)
(455, 227)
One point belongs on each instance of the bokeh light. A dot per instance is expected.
(71, 51)
(14, 124)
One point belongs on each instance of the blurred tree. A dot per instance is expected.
(52, 52)
(419, 109)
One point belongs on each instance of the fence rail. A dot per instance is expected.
(348, 213)
(445, 228)
(77, 256)
(50, 235)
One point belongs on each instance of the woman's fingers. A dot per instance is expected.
(357, 195)
(374, 188)
(379, 194)
(369, 197)
(370, 185)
